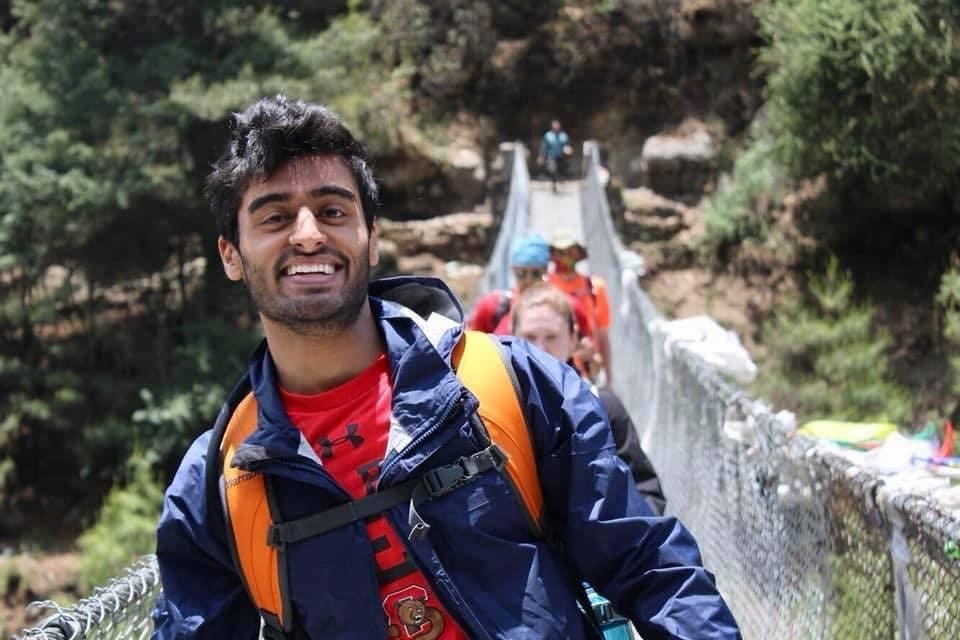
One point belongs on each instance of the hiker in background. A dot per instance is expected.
(543, 316)
(554, 150)
(591, 292)
(366, 497)
(529, 260)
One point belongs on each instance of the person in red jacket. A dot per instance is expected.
(529, 260)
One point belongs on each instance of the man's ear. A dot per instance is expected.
(373, 247)
(230, 257)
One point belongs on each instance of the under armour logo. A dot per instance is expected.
(369, 473)
(327, 445)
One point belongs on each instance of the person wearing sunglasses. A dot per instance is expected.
(529, 259)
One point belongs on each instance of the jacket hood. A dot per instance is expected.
(428, 302)
(422, 295)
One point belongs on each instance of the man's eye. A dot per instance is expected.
(333, 212)
(273, 218)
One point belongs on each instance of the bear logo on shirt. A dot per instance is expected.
(419, 620)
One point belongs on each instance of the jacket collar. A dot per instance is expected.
(421, 322)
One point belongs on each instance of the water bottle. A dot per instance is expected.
(613, 625)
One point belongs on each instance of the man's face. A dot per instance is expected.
(305, 251)
(565, 260)
(545, 327)
(527, 276)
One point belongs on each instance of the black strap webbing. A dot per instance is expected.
(431, 484)
(283, 533)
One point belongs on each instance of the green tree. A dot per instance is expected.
(125, 528)
(948, 298)
(865, 90)
(109, 278)
(825, 360)
(733, 213)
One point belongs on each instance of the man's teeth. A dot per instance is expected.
(310, 268)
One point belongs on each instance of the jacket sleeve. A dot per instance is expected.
(203, 597)
(649, 567)
(628, 449)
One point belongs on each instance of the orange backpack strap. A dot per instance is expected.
(484, 366)
(258, 538)
(249, 511)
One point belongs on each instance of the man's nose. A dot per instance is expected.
(307, 234)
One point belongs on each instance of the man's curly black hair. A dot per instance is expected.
(267, 134)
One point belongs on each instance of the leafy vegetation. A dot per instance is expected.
(732, 215)
(865, 97)
(948, 298)
(125, 529)
(112, 306)
(825, 360)
(865, 90)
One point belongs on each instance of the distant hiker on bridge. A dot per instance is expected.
(543, 316)
(565, 252)
(380, 473)
(554, 150)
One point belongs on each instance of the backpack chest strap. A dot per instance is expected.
(432, 484)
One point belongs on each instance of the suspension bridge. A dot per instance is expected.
(805, 544)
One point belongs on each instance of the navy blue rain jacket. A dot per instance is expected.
(493, 574)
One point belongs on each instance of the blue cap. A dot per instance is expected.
(530, 250)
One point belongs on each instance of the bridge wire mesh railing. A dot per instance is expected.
(119, 610)
(513, 222)
(804, 543)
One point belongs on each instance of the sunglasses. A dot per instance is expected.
(523, 273)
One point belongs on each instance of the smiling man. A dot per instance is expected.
(295, 517)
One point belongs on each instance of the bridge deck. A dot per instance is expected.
(552, 211)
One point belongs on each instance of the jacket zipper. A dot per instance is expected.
(454, 406)
(444, 591)
(474, 630)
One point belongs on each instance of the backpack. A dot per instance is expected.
(258, 541)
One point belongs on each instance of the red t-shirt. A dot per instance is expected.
(347, 426)
(486, 308)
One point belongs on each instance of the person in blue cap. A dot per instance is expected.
(528, 261)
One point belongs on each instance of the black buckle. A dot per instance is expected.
(443, 479)
(273, 538)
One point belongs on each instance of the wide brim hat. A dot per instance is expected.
(564, 239)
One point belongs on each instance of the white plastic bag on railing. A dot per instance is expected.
(717, 346)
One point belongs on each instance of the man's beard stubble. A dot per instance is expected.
(330, 316)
